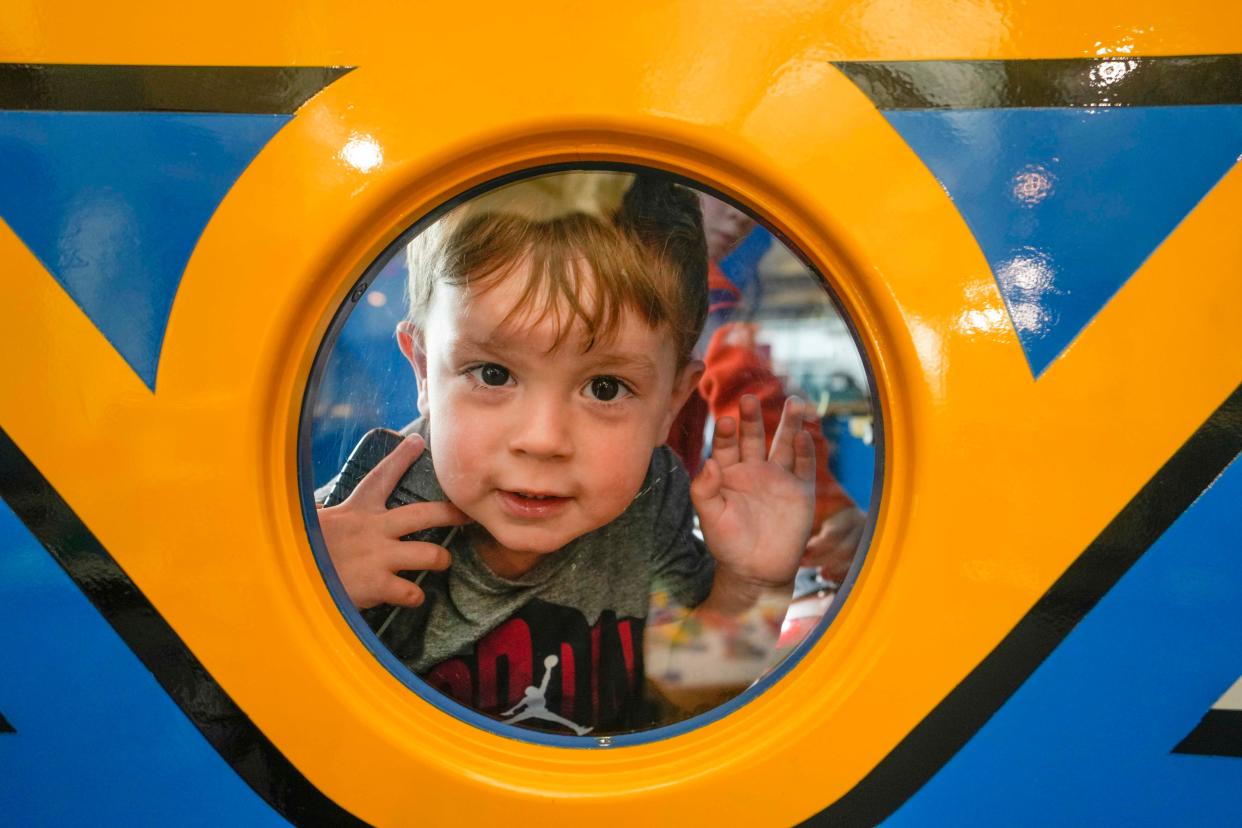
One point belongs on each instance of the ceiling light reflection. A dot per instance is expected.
(1028, 278)
(1108, 72)
(1032, 185)
(362, 153)
(982, 321)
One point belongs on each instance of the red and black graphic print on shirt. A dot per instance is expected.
(546, 668)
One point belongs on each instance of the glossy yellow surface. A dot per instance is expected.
(987, 496)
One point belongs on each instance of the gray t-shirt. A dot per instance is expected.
(486, 640)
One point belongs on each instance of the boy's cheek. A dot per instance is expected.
(620, 480)
(458, 484)
(454, 471)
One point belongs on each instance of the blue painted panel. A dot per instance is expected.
(113, 203)
(1087, 739)
(98, 742)
(1067, 204)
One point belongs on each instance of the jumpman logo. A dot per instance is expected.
(535, 703)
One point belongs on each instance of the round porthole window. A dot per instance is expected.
(590, 453)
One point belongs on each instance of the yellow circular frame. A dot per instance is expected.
(620, 162)
(617, 776)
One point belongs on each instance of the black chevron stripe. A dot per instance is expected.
(1115, 80)
(1219, 733)
(260, 90)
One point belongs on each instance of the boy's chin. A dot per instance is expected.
(529, 540)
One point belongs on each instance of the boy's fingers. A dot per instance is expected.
(418, 556)
(705, 489)
(782, 452)
(833, 548)
(724, 442)
(414, 517)
(804, 457)
(397, 590)
(750, 429)
(380, 481)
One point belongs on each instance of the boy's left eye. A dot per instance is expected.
(489, 373)
(606, 389)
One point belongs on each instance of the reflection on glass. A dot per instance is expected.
(618, 509)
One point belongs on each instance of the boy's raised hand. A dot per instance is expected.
(363, 535)
(756, 506)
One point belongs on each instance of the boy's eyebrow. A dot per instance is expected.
(625, 361)
(491, 342)
(501, 345)
(496, 341)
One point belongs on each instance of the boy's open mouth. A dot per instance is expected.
(531, 504)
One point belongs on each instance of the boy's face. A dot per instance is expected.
(540, 445)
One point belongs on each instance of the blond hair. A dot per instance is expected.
(597, 243)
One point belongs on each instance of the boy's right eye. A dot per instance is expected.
(489, 373)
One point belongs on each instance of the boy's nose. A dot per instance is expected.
(544, 430)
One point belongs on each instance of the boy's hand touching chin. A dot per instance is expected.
(363, 535)
(755, 506)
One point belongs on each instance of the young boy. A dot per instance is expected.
(552, 350)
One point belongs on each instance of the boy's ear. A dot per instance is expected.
(410, 341)
(686, 382)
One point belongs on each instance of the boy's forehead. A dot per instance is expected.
(485, 317)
